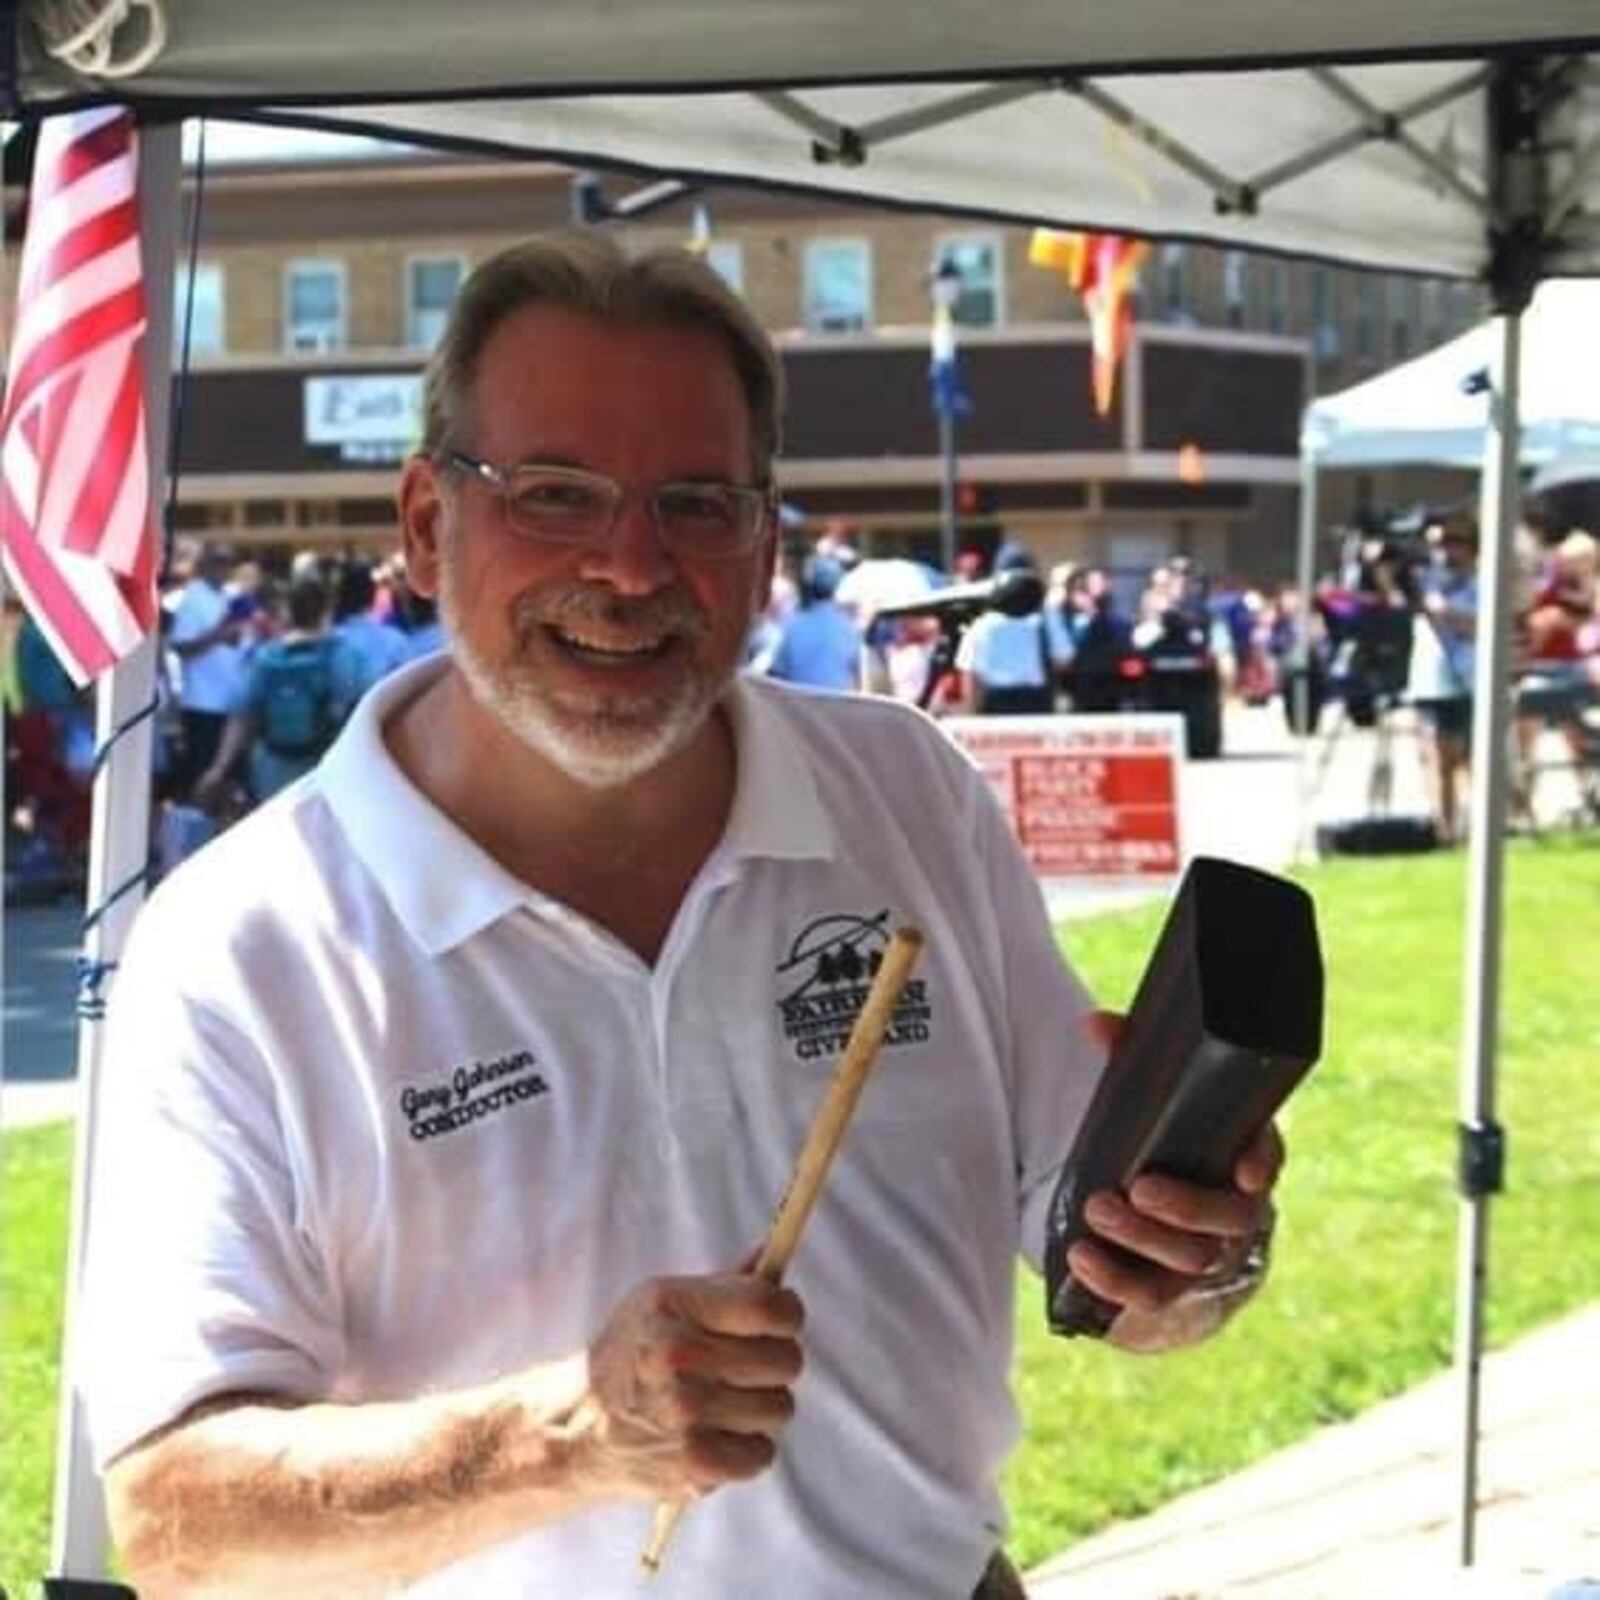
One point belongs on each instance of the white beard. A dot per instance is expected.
(601, 741)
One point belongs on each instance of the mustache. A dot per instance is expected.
(671, 611)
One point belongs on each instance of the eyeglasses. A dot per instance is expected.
(567, 505)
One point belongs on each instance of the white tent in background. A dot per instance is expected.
(1433, 410)
(1453, 137)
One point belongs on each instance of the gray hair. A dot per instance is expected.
(587, 272)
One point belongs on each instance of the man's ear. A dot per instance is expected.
(422, 518)
(767, 567)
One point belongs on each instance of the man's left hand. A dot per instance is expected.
(1178, 1247)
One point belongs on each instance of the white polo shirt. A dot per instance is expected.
(379, 1120)
(209, 679)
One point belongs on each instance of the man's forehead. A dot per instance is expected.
(549, 378)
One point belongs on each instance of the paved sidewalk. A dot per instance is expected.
(1366, 1510)
(26, 1105)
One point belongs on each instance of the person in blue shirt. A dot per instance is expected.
(376, 649)
(821, 643)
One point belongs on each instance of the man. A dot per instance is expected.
(204, 635)
(1440, 674)
(298, 689)
(376, 648)
(451, 1096)
(1006, 660)
(820, 645)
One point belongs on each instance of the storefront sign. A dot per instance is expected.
(369, 416)
(1090, 797)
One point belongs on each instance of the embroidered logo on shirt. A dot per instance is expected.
(830, 966)
(471, 1093)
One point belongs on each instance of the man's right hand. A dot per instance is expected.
(691, 1380)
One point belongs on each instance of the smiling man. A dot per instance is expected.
(450, 1094)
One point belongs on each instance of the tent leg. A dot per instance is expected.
(119, 850)
(1297, 692)
(1482, 1144)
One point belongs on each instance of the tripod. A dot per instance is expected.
(1380, 776)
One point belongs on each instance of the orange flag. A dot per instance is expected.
(1104, 269)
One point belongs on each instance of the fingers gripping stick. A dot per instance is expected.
(816, 1155)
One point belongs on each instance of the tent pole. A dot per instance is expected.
(1482, 1141)
(1298, 697)
(119, 849)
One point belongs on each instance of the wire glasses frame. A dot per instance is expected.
(570, 505)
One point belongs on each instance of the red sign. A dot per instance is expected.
(1089, 797)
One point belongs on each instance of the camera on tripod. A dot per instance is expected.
(1369, 617)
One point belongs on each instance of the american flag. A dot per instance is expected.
(75, 516)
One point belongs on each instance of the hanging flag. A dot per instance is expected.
(949, 393)
(1104, 269)
(75, 518)
(699, 240)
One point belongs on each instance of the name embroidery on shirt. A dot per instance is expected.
(829, 967)
(471, 1093)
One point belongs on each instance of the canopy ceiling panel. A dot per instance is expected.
(1228, 122)
(1059, 157)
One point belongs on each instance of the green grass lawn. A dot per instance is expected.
(34, 1185)
(1361, 1300)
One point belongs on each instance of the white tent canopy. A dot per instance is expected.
(1433, 410)
(1357, 132)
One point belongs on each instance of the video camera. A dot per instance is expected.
(1369, 616)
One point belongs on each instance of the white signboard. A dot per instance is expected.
(1091, 798)
(369, 416)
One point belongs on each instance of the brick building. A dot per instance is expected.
(319, 284)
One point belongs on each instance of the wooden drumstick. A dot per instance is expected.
(816, 1155)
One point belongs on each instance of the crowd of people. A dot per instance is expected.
(1396, 628)
(1062, 649)
(259, 669)
(257, 672)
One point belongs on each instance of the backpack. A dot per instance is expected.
(297, 715)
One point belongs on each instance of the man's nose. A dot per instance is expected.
(632, 558)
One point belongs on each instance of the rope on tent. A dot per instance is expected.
(92, 974)
(85, 34)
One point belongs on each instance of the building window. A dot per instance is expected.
(1324, 320)
(313, 299)
(1234, 272)
(431, 284)
(1464, 303)
(207, 320)
(1432, 312)
(980, 259)
(838, 286)
(725, 257)
(1277, 297)
(1366, 317)
(1174, 283)
(1402, 317)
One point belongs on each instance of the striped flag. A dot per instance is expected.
(75, 517)
(1104, 269)
(946, 388)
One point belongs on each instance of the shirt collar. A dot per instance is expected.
(445, 888)
(777, 811)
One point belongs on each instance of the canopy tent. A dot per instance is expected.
(1433, 410)
(1359, 132)
(1452, 137)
